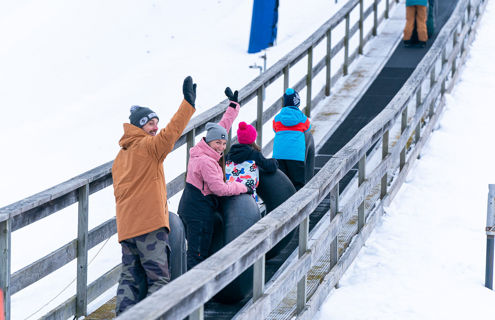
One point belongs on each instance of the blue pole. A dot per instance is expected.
(489, 263)
(490, 235)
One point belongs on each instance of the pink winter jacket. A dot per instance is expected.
(203, 170)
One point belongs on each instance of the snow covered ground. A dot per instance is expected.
(427, 258)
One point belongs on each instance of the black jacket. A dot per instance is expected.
(241, 152)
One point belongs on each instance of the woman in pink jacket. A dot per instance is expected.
(205, 182)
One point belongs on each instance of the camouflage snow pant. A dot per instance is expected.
(145, 268)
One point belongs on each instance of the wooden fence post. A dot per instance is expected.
(82, 252)
(417, 135)
(286, 78)
(198, 314)
(189, 144)
(5, 249)
(403, 127)
(361, 26)
(309, 82)
(259, 278)
(375, 17)
(346, 44)
(334, 209)
(328, 61)
(361, 179)
(303, 247)
(432, 84)
(259, 117)
(384, 183)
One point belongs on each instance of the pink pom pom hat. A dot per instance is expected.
(246, 134)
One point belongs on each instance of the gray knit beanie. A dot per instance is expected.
(215, 131)
(141, 115)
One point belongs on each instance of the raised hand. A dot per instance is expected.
(189, 90)
(233, 97)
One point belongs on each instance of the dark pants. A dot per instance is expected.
(145, 267)
(294, 170)
(197, 211)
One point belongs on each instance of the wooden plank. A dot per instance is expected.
(68, 308)
(259, 117)
(303, 247)
(55, 192)
(259, 278)
(60, 257)
(339, 269)
(82, 252)
(5, 254)
(103, 283)
(176, 185)
(328, 64)
(288, 279)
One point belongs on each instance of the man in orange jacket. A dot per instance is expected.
(141, 199)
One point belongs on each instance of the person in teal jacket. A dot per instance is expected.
(416, 11)
(289, 146)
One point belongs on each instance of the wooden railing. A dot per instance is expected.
(197, 286)
(412, 113)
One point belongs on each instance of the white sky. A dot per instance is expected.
(426, 260)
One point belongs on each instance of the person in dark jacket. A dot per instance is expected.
(289, 145)
(244, 159)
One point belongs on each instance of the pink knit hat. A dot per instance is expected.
(246, 134)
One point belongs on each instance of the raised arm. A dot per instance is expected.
(163, 143)
(232, 111)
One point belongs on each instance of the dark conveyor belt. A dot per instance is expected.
(388, 82)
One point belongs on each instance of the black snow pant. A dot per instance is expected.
(294, 170)
(197, 212)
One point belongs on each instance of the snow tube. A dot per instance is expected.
(274, 188)
(177, 240)
(238, 213)
(432, 14)
(309, 162)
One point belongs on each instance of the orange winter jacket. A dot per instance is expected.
(138, 180)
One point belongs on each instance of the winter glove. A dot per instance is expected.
(189, 90)
(232, 97)
(249, 190)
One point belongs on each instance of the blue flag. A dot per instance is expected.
(263, 25)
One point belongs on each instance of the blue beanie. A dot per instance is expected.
(291, 98)
(141, 115)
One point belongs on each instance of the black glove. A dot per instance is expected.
(232, 96)
(189, 90)
(249, 190)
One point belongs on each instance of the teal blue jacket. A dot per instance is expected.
(416, 3)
